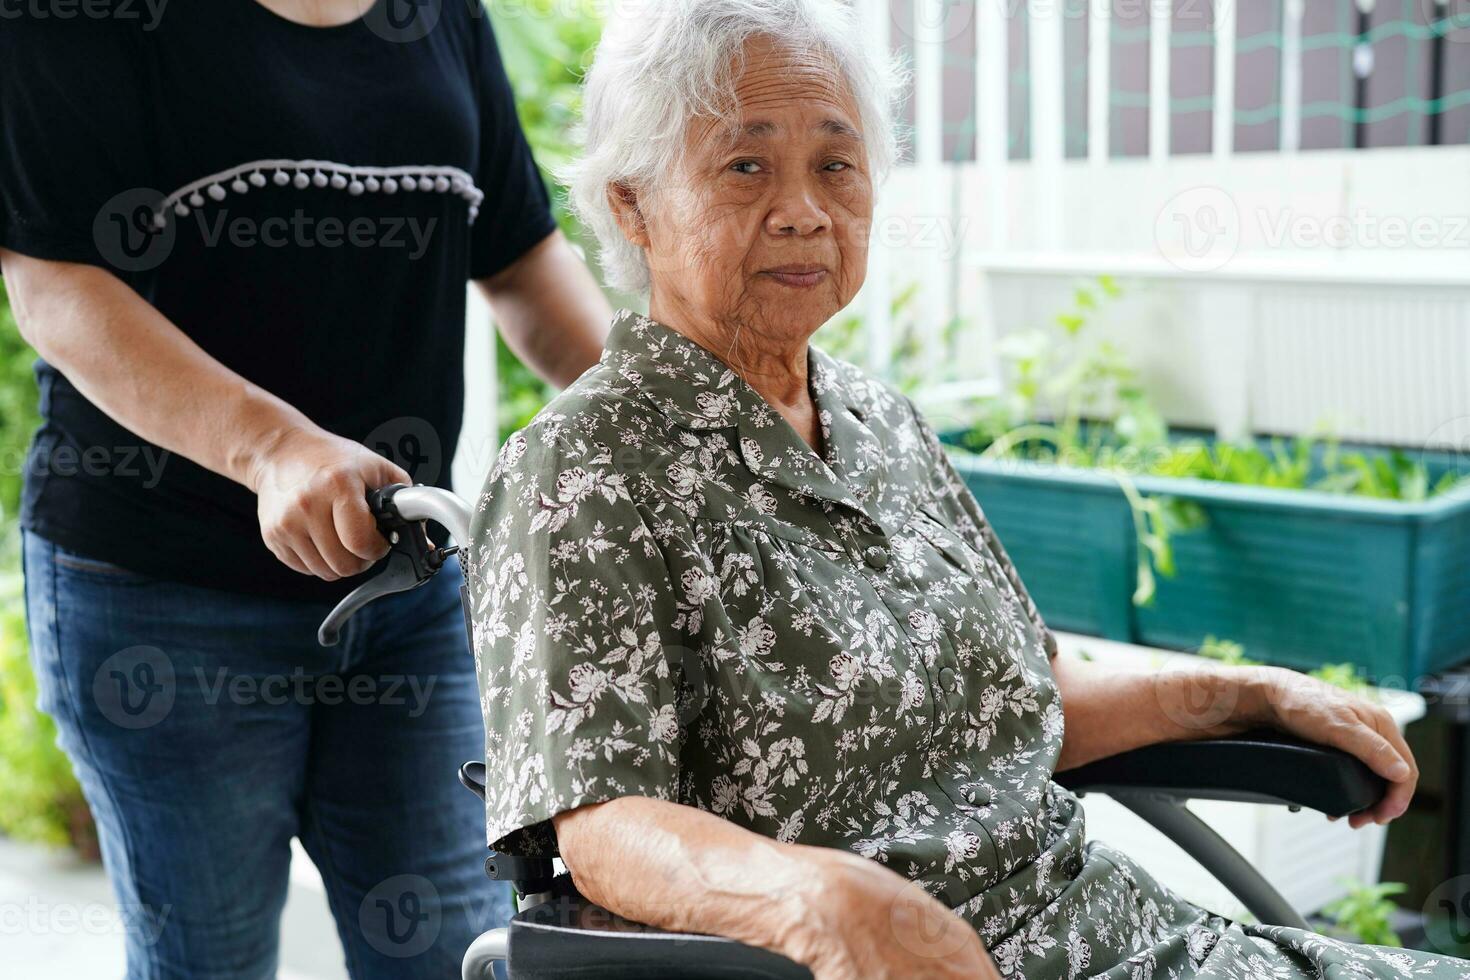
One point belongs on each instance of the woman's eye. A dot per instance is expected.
(837, 166)
(741, 165)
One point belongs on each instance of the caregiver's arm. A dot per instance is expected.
(681, 869)
(1111, 709)
(145, 373)
(550, 310)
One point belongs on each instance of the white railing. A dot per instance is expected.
(1384, 230)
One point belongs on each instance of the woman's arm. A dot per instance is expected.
(678, 868)
(1111, 709)
(146, 374)
(550, 310)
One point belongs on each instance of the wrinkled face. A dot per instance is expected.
(764, 223)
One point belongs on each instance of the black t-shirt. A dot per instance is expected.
(305, 203)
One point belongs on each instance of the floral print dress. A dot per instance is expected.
(674, 596)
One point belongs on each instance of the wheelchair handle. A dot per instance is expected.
(401, 512)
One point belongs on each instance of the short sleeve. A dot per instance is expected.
(516, 212)
(73, 132)
(574, 627)
(955, 487)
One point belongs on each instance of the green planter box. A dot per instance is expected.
(1300, 577)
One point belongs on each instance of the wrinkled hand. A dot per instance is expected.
(1319, 712)
(864, 922)
(312, 502)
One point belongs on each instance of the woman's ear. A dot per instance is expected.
(623, 200)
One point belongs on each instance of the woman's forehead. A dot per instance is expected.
(778, 93)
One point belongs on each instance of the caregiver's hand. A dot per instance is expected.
(1319, 712)
(865, 922)
(312, 488)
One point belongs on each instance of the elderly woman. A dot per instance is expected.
(751, 658)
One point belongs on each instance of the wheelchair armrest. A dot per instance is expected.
(569, 937)
(1256, 767)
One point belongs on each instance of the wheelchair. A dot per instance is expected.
(556, 934)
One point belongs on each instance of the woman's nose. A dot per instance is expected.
(797, 212)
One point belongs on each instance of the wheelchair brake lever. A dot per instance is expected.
(411, 561)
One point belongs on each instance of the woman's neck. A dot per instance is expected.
(772, 362)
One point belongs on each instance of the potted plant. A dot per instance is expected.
(1308, 551)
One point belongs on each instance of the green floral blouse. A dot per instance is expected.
(675, 597)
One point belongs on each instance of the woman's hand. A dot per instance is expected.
(312, 488)
(864, 922)
(1319, 712)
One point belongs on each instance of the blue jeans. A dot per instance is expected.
(208, 729)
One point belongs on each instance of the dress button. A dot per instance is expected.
(876, 557)
(949, 680)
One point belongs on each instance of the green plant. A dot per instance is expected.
(546, 46)
(39, 797)
(18, 421)
(1365, 913)
(1073, 401)
(1343, 675)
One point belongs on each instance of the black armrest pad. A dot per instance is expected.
(1257, 767)
(569, 937)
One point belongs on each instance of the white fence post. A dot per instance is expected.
(928, 157)
(1048, 118)
(992, 126)
(479, 433)
(878, 288)
(1222, 143)
(1160, 24)
(1099, 78)
(1291, 75)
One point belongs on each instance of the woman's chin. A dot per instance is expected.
(815, 302)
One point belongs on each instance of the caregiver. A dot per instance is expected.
(239, 236)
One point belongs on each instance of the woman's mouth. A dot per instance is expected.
(797, 276)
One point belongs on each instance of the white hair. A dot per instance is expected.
(662, 63)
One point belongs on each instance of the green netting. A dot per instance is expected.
(1396, 22)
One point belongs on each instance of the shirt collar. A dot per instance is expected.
(700, 392)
